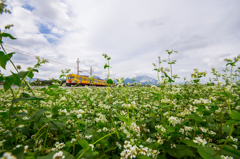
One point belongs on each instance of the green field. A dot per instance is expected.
(143, 122)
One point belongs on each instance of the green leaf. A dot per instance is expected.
(30, 74)
(37, 115)
(22, 74)
(25, 95)
(230, 151)
(7, 84)
(55, 125)
(16, 79)
(84, 144)
(207, 153)
(195, 117)
(226, 128)
(196, 80)
(31, 142)
(170, 129)
(226, 94)
(19, 152)
(109, 81)
(209, 118)
(105, 66)
(190, 143)
(1, 78)
(26, 98)
(110, 149)
(235, 115)
(52, 86)
(122, 118)
(212, 126)
(169, 78)
(4, 59)
(35, 70)
(221, 141)
(81, 122)
(8, 35)
(179, 151)
(229, 122)
(61, 76)
(25, 130)
(143, 157)
(155, 94)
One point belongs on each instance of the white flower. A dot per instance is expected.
(58, 155)
(226, 157)
(79, 115)
(181, 130)
(8, 155)
(173, 146)
(25, 118)
(212, 132)
(91, 146)
(200, 141)
(118, 145)
(25, 148)
(73, 140)
(235, 146)
(88, 137)
(20, 126)
(105, 129)
(174, 120)
(59, 145)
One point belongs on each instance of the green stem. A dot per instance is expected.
(225, 141)
(46, 137)
(170, 65)
(39, 131)
(231, 74)
(96, 142)
(194, 130)
(103, 137)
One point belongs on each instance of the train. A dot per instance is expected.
(74, 79)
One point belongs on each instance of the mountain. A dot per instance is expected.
(142, 79)
(139, 79)
(34, 79)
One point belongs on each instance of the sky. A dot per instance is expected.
(133, 33)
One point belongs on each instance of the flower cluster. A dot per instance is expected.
(58, 155)
(131, 151)
(58, 146)
(174, 120)
(200, 141)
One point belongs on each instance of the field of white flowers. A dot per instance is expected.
(177, 121)
(166, 121)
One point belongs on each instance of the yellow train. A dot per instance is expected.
(74, 79)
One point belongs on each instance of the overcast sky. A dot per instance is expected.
(132, 32)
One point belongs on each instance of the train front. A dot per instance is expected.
(70, 79)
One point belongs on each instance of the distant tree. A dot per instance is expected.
(38, 81)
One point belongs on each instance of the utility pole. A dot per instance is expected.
(78, 66)
(91, 70)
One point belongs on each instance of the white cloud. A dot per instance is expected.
(134, 33)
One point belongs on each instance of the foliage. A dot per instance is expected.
(166, 121)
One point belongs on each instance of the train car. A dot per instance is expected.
(74, 79)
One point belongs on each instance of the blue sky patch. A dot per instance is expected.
(28, 7)
(50, 40)
(44, 29)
